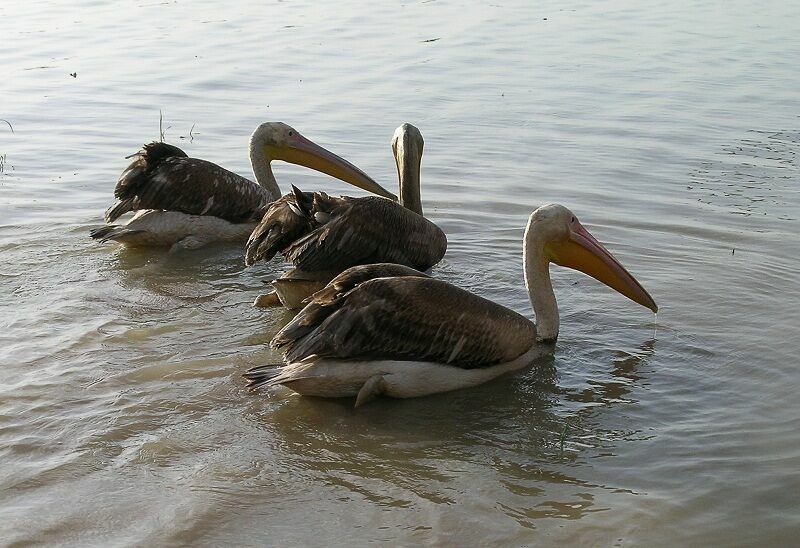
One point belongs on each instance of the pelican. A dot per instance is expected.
(389, 330)
(187, 202)
(323, 235)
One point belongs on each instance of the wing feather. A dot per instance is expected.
(407, 318)
(161, 176)
(327, 300)
(369, 230)
(285, 220)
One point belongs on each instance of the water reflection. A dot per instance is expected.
(624, 371)
(399, 453)
(214, 272)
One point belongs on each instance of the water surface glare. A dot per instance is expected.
(671, 129)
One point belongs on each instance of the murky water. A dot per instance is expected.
(671, 129)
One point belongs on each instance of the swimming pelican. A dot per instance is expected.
(187, 202)
(393, 331)
(323, 235)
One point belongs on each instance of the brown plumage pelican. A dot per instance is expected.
(394, 331)
(322, 235)
(188, 202)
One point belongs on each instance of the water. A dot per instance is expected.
(671, 130)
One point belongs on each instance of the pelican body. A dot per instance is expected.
(390, 330)
(323, 235)
(188, 202)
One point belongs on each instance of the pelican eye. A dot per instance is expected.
(572, 220)
(291, 133)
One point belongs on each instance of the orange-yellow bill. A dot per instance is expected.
(583, 252)
(303, 152)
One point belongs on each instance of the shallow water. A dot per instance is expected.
(672, 130)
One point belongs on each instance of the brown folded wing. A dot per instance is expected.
(161, 176)
(368, 230)
(406, 318)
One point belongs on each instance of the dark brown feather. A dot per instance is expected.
(355, 231)
(161, 176)
(289, 218)
(406, 318)
(327, 300)
(285, 220)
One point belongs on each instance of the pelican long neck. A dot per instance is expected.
(539, 286)
(408, 158)
(262, 169)
(409, 185)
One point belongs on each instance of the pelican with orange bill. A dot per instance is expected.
(188, 202)
(390, 330)
(323, 235)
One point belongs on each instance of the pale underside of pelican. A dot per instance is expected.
(188, 202)
(322, 235)
(388, 330)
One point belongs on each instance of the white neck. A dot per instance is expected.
(540, 289)
(261, 166)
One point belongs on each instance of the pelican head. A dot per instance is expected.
(407, 146)
(566, 242)
(279, 141)
(407, 137)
